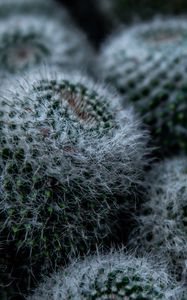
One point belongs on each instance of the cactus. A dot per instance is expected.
(26, 41)
(163, 219)
(69, 160)
(115, 276)
(147, 64)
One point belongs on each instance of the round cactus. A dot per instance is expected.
(147, 64)
(116, 276)
(26, 41)
(162, 222)
(68, 160)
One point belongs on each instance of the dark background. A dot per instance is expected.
(98, 25)
(88, 16)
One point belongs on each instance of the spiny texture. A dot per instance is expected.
(163, 220)
(69, 159)
(148, 65)
(26, 41)
(116, 276)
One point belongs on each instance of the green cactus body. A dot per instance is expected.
(116, 276)
(23, 180)
(118, 285)
(62, 166)
(147, 64)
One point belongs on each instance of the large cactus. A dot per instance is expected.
(68, 160)
(116, 276)
(147, 64)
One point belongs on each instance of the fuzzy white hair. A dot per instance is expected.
(117, 157)
(75, 157)
(89, 279)
(162, 221)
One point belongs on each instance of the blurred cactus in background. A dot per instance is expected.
(147, 65)
(28, 40)
(163, 219)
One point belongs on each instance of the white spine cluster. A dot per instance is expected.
(116, 276)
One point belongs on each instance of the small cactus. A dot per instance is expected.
(116, 276)
(147, 65)
(163, 219)
(27, 41)
(69, 159)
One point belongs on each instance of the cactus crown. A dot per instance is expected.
(19, 51)
(77, 103)
(161, 34)
(156, 35)
(115, 276)
(55, 107)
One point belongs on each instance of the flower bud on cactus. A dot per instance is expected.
(116, 276)
(163, 220)
(26, 41)
(148, 65)
(70, 157)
